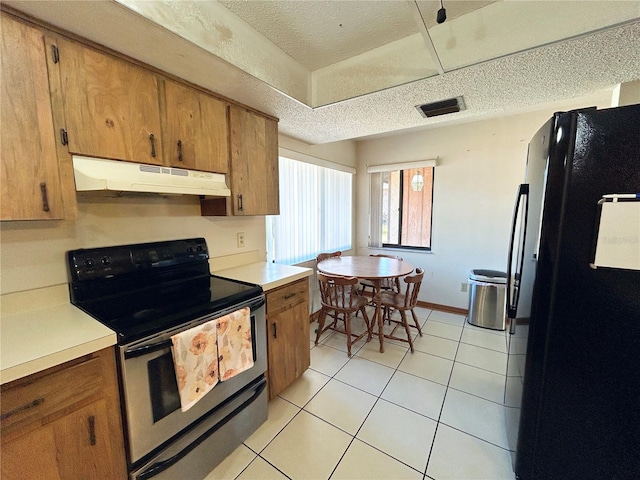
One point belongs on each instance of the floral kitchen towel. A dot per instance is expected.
(235, 352)
(195, 359)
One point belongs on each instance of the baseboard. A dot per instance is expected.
(431, 306)
(314, 316)
(443, 308)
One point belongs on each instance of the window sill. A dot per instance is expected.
(399, 249)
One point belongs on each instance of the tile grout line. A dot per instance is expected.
(444, 399)
(379, 397)
(331, 377)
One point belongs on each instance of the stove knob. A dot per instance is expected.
(189, 249)
(88, 263)
(105, 261)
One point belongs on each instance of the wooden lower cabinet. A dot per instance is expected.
(64, 422)
(287, 334)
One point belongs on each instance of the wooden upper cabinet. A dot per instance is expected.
(254, 163)
(30, 180)
(111, 106)
(195, 132)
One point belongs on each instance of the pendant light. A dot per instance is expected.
(442, 14)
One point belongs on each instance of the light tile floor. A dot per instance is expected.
(434, 414)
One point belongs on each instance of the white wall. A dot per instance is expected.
(32, 254)
(481, 165)
(343, 153)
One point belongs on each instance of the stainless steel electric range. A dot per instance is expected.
(146, 293)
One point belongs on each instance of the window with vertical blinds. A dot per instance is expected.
(315, 213)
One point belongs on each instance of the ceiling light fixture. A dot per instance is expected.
(442, 14)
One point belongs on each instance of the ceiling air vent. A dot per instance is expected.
(442, 107)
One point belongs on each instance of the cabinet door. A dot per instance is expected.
(30, 179)
(254, 163)
(111, 106)
(195, 129)
(288, 346)
(74, 446)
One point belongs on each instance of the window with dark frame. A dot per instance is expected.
(404, 210)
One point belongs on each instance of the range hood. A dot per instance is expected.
(97, 174)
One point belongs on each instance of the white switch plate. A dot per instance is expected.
(240, 237)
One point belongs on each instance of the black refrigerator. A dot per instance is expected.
(572, 396)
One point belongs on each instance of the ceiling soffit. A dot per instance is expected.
(324, 52)
(576, 73)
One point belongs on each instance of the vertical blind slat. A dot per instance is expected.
(315, 213)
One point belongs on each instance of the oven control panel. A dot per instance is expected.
(108, 262)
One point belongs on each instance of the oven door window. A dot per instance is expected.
(163, 386)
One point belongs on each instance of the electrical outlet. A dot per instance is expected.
(240, 238)
(463, 287)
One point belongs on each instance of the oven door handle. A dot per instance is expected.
(153, 347)
(159, 467)
(146, 349)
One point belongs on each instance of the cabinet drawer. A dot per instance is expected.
(33, 399)
(287, 296)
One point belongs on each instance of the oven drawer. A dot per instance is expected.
(51, 395)
(287, 296)
(196, 453)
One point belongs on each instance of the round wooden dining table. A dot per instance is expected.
(370, 268)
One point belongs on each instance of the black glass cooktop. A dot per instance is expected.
(140, 290)
(145, 312)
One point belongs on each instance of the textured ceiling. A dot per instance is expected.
(585, 67)
(318, 34)
(321, 33)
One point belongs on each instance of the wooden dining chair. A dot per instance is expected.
(325, 256)
(392, 284)
(402, 302)
(340, 300)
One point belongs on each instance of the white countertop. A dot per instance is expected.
(268, 275)
(40, 329)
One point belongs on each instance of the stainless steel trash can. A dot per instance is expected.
(487, 299)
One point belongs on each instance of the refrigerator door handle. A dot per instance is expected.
(513, 278)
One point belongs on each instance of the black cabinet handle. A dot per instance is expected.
(45, 200)
(275, 330)
(92, 430)
(179, 150)
(287, 297)
(152, 139)
(240, 203)
(35, 403)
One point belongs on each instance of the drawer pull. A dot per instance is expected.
(179, 150)
(35, 403)
(275, 330)
(287, 297)
(92, 430)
